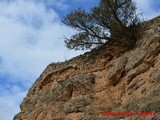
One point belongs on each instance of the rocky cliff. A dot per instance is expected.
(108, 78)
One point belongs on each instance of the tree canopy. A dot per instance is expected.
(112, 22)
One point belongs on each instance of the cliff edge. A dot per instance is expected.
(108, 78)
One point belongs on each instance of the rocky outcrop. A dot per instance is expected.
(108, 77)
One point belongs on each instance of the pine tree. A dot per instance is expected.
(111, 22)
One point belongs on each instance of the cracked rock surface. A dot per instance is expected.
(108, 77)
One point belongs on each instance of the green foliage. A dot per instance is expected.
(154, 106)
(112, 21)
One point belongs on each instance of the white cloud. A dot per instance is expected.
(30, 39)
(9, 102)
(61, 4)
(147, 7)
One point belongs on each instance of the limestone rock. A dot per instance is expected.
(108, 77)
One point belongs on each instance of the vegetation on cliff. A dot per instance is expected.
(107, 78)
(112, 22)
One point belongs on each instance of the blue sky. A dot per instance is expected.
(31, 37)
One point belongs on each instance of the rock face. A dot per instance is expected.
(107, 78)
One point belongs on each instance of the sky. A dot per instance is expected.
(31, 37)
